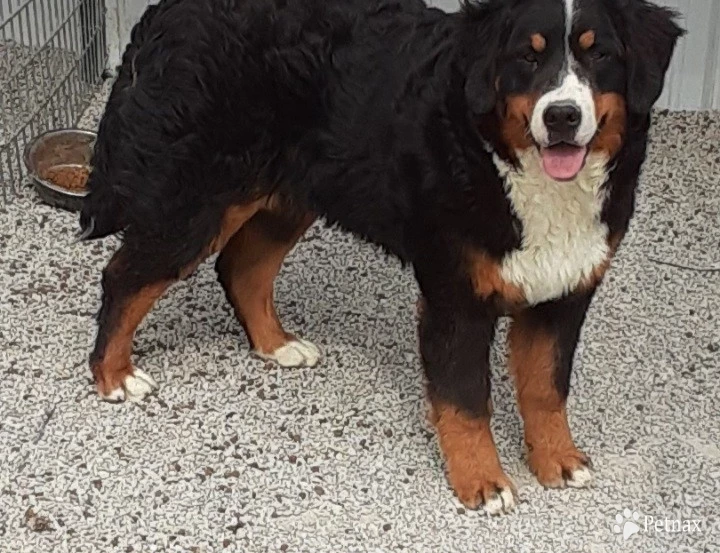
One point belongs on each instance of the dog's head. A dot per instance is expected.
(563, 75)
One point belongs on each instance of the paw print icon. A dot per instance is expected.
(628, 523)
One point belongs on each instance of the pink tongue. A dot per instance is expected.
(563, 162)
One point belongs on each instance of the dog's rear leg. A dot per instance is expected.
(133, 280)
(247, 268)
(125, 303)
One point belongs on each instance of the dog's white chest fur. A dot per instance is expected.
(563, 237)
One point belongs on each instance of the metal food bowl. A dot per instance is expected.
(59, 149)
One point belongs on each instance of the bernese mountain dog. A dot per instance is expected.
(496, 150)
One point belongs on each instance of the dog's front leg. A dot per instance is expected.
(455, 346)
(542, 345)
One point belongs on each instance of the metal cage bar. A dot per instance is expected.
(52, 57)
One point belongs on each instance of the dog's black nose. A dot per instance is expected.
(562, 119)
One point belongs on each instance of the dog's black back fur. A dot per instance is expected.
(354, 110)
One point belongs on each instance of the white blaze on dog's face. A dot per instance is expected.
(563, 121)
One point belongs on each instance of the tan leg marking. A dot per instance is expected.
(248, 266)
(114, 374)
(552, 454)
(116, 367)
(473, 465)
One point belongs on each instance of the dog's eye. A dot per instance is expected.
(598, 55)
(531, 59)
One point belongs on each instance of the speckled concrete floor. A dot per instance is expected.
(238, 455)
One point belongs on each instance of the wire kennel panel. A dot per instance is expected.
(52, 58)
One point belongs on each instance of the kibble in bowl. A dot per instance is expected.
(59, 165)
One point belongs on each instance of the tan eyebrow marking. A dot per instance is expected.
(587, 39)
(538, 42)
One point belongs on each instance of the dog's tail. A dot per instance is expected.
(103, 212)
(105, 207)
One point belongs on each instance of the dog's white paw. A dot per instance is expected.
(502, 502)
(296, 353)
(581, 477)
(135, 387)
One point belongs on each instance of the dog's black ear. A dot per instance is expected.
(485, 23)
(651, 35)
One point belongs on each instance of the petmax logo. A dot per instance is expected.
(629, 523)
(673, 525)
